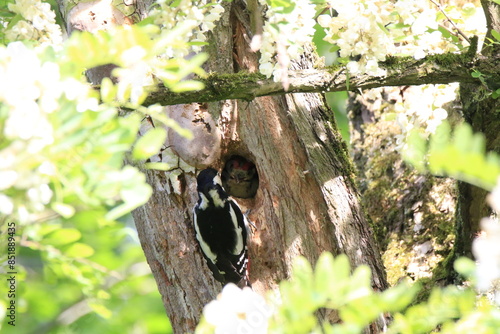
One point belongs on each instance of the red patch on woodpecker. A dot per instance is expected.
(247, 166)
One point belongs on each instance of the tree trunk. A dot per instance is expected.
(412, 214)
(481, 112)
(306, 202)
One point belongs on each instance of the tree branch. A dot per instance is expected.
(451, 21)
(401, 71)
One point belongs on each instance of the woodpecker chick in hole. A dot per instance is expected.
(240, 178)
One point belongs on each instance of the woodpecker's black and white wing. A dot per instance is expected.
(210, 257)
(240, 252)
(221, 230)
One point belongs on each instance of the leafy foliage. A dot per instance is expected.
(81, 275)
(332, 288)
(459, 154)
(346, 301)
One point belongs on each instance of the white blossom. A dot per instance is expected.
(6, 205)
(31, 91)
(486, 249)
(198, 17)
(238, 311)
(380, 24)
(423, 106)
(435, 119)
(39, 23)
(7, 178)
(283, 38)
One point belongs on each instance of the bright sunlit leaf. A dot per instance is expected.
(79, 250)
(149, 144)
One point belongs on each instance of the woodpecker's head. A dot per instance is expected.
(210, 187)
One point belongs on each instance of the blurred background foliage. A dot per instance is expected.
(84, 276)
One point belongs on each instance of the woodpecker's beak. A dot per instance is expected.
(217, 180)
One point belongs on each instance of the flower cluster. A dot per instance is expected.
(371, 29)
(423, 106)
(38, 23)
(26, 106)
(284, 36)
(199, 16)
(426, 30)
(238, 311)
(358, 30)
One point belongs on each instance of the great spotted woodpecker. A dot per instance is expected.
(240, 178)
(221, 230)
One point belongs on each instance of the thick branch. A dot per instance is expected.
(438, 69)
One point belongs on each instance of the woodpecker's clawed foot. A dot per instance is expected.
(252, 228)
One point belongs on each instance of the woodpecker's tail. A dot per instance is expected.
(234, 269)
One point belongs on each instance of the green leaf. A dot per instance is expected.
(461, 156)
(339, 281)
(101, 310)
(62, 236)
(476, 74)
(158, 166)
(334, 48)
(383, 28)
(139, 196)
(465, 267)
(302, 270)
(445, 32)
(462, 137)
(360, 312)
(495, 34)
(286, 6)
(149, 144)
(108, 90)
(360, 283)
(187, 85)
(398, 297)
(324, 272)
(79, 250)
(496, 94)
(416, 149)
